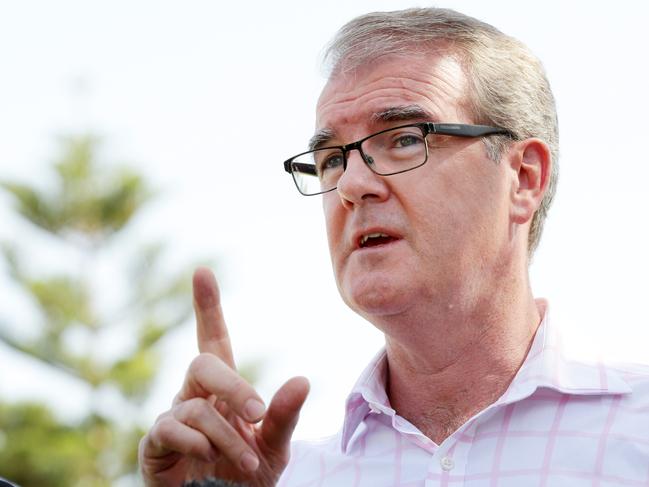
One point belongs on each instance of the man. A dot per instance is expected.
(436, 156)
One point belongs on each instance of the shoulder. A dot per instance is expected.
(327, 444)
(636, 376)
(630, 372)
(626, 416)
(307, 460)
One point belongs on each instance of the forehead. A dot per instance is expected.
(435, 82)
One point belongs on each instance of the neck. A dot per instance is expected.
(468, 358)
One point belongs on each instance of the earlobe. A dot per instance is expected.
(531, 163)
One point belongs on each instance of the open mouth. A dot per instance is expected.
(375, 239)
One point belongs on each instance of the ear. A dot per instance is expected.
(531, 165)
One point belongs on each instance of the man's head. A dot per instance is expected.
(452, 223)
(507, 86)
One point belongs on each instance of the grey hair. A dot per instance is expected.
(507, 85)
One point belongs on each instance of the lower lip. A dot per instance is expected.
(379, 247)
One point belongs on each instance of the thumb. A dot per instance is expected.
(282, 414)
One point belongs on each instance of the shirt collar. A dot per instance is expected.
(546, 365)
(367, 396)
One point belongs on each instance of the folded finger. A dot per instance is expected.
(169, 435)
(203, 417)
(210, 376)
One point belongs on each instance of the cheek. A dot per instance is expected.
(455, 213)
(333, 214)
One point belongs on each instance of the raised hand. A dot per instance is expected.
(218, 425)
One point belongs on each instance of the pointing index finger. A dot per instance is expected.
(211, 331)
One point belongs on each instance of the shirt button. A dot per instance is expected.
(447, 463)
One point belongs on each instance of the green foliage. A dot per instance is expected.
(87, 201)
(133, 374)
(63, 299)
(87, 205)
(39, 450)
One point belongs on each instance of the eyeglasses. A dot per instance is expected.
(392, 151)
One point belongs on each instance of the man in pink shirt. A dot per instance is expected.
(435, 153)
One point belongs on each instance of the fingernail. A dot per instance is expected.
(254, 409)
(249, 462)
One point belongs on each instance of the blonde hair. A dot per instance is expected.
(507, 84)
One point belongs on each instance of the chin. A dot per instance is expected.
(372, 299)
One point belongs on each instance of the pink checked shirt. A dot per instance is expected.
(560, 423)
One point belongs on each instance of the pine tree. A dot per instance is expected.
(84, 213)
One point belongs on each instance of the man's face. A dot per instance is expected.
(447, 221)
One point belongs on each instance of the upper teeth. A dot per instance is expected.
(365, 238)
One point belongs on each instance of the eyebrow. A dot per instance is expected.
(321, 137)
(401, 113)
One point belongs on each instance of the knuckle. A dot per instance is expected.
(201, 362)
(197, 412)
(238, 386)
(164, 431)
(162, 416)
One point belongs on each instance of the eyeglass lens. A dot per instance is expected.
(385, 153)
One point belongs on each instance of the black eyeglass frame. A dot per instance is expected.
(427, 128)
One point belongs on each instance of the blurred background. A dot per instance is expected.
(139, 139)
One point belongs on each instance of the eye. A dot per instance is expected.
(407, 140)
(327, 160)
(333, 161)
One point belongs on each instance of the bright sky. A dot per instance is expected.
(208, 98)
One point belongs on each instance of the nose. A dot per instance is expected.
(358, 183)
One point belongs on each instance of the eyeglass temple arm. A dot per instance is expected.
(462, 130)
(301, 167)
